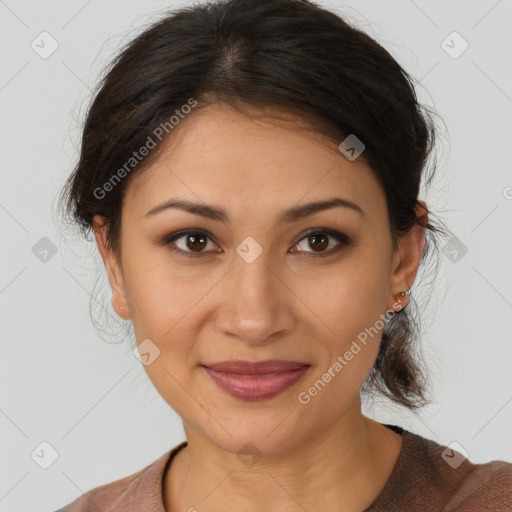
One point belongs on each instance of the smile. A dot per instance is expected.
(249, 382)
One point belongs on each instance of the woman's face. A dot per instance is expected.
(252, 286)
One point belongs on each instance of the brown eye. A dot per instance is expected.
(320, 240)
(195, 242)
(189, 243)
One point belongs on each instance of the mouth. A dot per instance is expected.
(255, 381)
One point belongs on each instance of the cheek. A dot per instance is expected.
(161, 293)
(163, 303)
(348, 305)
(348, 297)
(352, 314)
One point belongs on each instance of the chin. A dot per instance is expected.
(256, 440)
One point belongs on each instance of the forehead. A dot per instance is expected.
(220, 155)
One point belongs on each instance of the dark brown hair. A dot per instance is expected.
(289, 55)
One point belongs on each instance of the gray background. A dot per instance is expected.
(91, 400)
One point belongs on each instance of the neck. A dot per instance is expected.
(345, 467)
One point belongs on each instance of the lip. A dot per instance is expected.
(255, 368)
(255, 381)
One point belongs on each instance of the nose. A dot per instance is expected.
(257, 304)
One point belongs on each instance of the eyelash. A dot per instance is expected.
(340, 237)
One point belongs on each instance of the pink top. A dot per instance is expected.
(426, 477)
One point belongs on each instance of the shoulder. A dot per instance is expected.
(103, 497)
(139, 491)
(429, 476)
(484, 487)
(456, 483)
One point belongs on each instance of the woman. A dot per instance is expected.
(251, 170)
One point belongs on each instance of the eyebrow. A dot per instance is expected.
(293, 214)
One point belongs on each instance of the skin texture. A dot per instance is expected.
(289, 303)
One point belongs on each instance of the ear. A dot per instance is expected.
(112, 267)
(406, 260)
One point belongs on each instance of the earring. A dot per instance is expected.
(403, 294)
